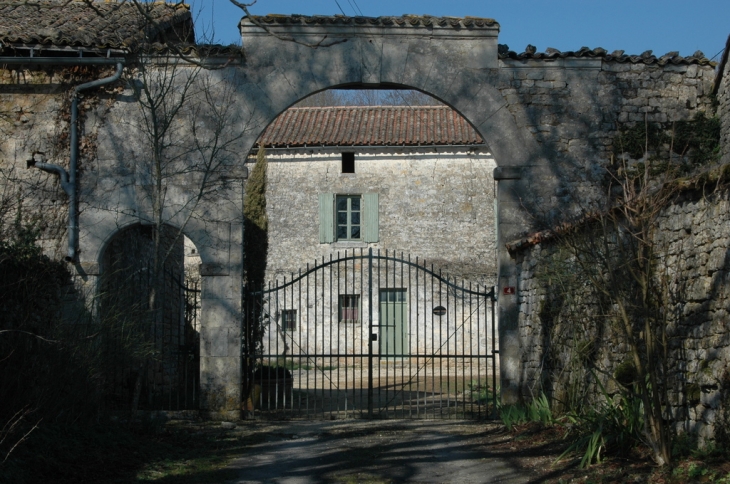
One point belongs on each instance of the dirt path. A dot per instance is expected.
(382, 451)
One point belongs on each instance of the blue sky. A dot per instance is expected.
(630, 25)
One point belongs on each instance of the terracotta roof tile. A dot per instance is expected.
(616, 56)
(369, 126)
(99, 25)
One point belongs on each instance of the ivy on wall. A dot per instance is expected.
(697, 139)
(255, 221)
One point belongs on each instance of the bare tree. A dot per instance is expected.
(608, 272)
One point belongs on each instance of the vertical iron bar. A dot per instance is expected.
(370, 333)
(321, 362)
(384, 329)
(309, 330)
(381, 333)
(494, 357)
(448, 349)
(410, 344)
(361, 349)
(418, 336)
(462, 373)
(300, 330)
(433, 346)
(331, 335)
(404, 322)
(474, 329)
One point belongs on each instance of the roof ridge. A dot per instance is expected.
(375, 106)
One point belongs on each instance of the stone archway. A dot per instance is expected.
(454, 60)
(148, 333)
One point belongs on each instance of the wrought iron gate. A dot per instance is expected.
(369, 334)
(152, 358)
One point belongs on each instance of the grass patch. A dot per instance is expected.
(179, 452)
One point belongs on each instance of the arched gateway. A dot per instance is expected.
(287, 58)
(548, 120)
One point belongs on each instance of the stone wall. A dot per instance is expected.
(693, 239)
(574, 107)
(34, 111)
(722, 93)
(548, 122)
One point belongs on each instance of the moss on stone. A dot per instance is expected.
(625, 373)
(692, 392)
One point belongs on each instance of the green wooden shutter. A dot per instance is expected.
(326, 218)
(371, 217)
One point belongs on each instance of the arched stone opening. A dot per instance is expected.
(455, 62)
(149, 317)
(427, 176)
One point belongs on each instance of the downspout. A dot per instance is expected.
(73, 215)
(68, 179)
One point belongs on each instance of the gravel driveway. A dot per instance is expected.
(378, 451)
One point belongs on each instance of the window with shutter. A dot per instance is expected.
(348, 218)
(326, 218)
(370, 211)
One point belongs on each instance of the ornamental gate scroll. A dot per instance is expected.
(369, 334)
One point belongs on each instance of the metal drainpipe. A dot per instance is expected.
(68, 179)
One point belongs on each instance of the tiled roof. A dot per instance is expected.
(99, 25)
(403, 21)
(616, 56)
(369, 126)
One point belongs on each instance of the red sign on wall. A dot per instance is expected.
(509, 290)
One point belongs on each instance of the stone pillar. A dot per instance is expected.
(220, 331)
(509, 226)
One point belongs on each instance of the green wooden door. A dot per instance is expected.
(394, 340)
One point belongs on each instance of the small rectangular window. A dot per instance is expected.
(348, 162)
(349, 308)
(289, 320)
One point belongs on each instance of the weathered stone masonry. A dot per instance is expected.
(548, 120)
(693, 236)
(722, 93)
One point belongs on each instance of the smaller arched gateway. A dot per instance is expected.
(149, 302)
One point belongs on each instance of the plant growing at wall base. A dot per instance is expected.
(618, 260)
(536, 410)
(611, 424)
